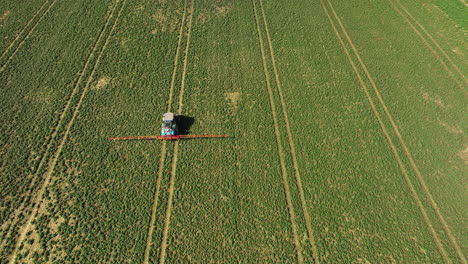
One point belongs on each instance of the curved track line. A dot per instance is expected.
(26, 37)
(55, 130)
(389, 141)
(437, 56)
(53, 162)
(425, 189)
(291, 144)
(23, 30)
(292, 217)
(167, 218)
(432, 39)
(163, 147)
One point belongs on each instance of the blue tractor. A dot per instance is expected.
(169, 126)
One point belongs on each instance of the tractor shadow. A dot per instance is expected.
(184, 123)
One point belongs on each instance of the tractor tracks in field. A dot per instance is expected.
(167, 218)
(52, 138)
(397, 134)
(162, 156)
(25, 33)
(85, 78)
(281, 151)
(173, 172)
(427, 39)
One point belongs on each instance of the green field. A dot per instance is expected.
(347, 123)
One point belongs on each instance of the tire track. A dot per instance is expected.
(25, 38)
(464, 2)
(23, 30)
(406, 151)
(389, 140)
(163, 146)
(51, 164)
(51, 139)
(436, 55)
(431, 39)
(167, 218)
(291, 143)
(292, 217)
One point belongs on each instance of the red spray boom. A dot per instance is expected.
(175, 137)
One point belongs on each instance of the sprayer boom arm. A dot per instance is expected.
(167, 137)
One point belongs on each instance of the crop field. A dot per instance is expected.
(347, 124)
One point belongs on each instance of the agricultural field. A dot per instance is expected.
(347, 124)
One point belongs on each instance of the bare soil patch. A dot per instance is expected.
(5, 15)
(222, 10)
(464, 155)
(451, 128)
(434, 99)
(101, 83)
(233, 99)
(458, 51)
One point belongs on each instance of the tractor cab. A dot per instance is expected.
(169, 126)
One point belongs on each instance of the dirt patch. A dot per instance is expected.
(5, 15)
(464, 2)
(32, 245)
(451, 128)
(434, 99)
(160, 20)
(54, 224)
(42, 96)
(166, 21)
(464, 155)
(101, 83)
(233, 99)
(206, 14)
(458, 51)
(222, 10)
(201, 18)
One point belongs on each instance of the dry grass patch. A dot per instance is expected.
(5, 15)
(233, 98)
(451, 128)
(101, 83)
(222, 10)
(464, 155)
(434, 99)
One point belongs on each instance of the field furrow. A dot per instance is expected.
(38, 197)
(16, 45)
(162, 154)
(404, 147)
(402, 142)
(23, 31)
(386, 133)
(345, 122)
(295, 165)
(284, 174)
(460, 84)
(167, 216)
(431, 38)
(51, 140)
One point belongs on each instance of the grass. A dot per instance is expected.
(455, 10)
(347, 133)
